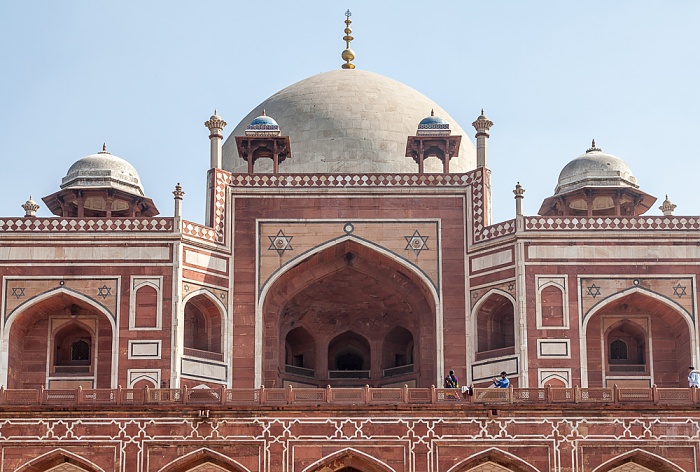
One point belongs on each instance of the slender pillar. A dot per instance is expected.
(216, 136)
(482, 126)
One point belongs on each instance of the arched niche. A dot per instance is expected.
(495, 326)
(42, 339)
(203, 326)
(397, 351)
(656, 335)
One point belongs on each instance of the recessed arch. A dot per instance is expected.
(494, 322)
(497, 456)
(203, 456)
(58, 299)
(662, 321)
(57, 457)
(641, 457)
(348, 457)
(204, 318)
(355, 286)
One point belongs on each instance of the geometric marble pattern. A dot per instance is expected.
(280, 435)
(50, 225)
(534, 223)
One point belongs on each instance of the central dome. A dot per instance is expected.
(348, 121)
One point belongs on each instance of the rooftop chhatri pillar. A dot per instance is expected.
(666, 207)
(482, 126)
(216, 135)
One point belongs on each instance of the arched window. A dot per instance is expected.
(349, 356)
(202, 328)
(495, 324)
(72, 349)
(397, 352)
(300, 353)
(626, 344)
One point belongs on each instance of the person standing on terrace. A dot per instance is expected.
(503, 382)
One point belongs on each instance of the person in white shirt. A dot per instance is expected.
(693, 377)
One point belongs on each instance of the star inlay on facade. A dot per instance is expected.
(417, 243)
(18, 292)
(679, 290)
(593, 290)
(280, 243)
(104, 291)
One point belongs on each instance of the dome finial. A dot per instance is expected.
(432, 112)
(593, 147)
(348, 54)
(264, 112)
(104, 149)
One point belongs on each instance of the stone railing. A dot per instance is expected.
(621, 223)
(89, 225)
(12, 399)
(350, 180)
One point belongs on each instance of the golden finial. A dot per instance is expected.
(348, 55)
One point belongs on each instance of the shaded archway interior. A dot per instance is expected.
(633, 336)
(349, 315)
(77, 352)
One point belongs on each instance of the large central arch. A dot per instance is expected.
(349, 315)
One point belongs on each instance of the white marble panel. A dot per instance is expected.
(206, 261)
(492, 260)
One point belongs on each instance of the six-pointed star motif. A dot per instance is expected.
(280, 243)
(417, 243)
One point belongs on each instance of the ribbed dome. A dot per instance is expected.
(348, 121)
(103, 170)
(595, 169)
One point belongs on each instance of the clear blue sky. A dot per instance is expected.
(143, 76)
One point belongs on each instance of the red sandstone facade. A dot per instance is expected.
(306, 325)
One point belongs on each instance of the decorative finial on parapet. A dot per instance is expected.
(519, 195)
(178, 192)
(348, 54)
(215, 122)
(593, 147)
(482, 125)
(30, 208)
(667, 207)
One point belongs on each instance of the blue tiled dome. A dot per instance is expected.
(431, 122)
(263, 122)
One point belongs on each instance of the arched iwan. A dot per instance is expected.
(112, 318)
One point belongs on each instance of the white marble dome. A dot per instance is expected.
(348, 121)
(595, 168)
(103, 170)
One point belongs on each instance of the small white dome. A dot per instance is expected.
(595, 169)
(103, 170)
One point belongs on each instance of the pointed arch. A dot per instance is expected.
(659, 302)
(497, 456)
(644, 291)
(57, 457)
(348, 457)
(208, 293)
(203, 456)
(484, 325)
(641, 457)
(70, 296)
(286, 293)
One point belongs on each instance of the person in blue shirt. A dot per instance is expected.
(503, 382)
